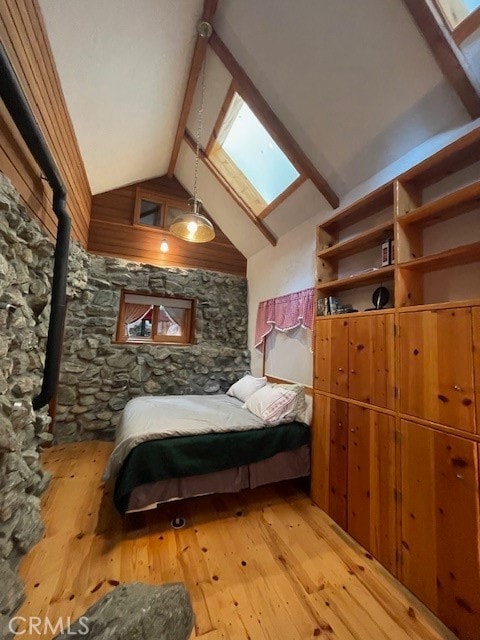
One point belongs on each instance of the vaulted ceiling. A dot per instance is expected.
(353, 82)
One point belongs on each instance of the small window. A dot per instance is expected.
(249, 159)
(152, 318)
(462, 17)
(156, 211)
(151, 213)
(455, 11)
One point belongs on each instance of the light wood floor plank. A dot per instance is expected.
(261, 565)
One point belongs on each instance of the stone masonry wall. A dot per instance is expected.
(25, 268)
(98, 377)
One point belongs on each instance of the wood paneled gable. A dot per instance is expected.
(113, 232)
(23, 35)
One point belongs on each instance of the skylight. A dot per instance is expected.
(456, 11)
(247, 156)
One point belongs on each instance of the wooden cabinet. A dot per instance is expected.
(353, 473)
(440, 531)
(331, 356)
(371, 359)
(436, 375)
(397, 405)
(354, 358)
(371, 483)
(476, 357)
(329, 457)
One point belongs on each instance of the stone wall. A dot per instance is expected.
(98, 377)
(25, 268)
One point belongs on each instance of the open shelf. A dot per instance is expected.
(379, 275)
(450, 159)
(373, 202)
(359, 243)
(446, 207)
(450, 258)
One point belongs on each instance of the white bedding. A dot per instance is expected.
(155, 417)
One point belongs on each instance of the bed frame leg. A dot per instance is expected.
(178, 523)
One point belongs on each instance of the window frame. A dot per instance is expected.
(213, 142)
(464, 28)
(165, 202)
(188, 333)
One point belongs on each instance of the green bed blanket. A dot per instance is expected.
(200, 454)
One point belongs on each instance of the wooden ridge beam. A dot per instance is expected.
(271, 122)
(209, 164)
(209, 9)
(449, 57)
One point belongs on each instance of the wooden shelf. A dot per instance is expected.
(450, 159)
(379, 275)
(373, 202)
(359, 243)
(357, 314)
(444, 208)
(450, 258)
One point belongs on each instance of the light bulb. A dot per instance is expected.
(164, 246)
(192, 226)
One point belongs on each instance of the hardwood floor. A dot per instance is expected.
(262, 564)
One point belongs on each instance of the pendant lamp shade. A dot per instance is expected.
(192, 226)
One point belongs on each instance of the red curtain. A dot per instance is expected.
(284, 313)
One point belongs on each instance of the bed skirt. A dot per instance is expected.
(286, 465)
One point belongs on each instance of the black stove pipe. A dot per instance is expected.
(14, 99)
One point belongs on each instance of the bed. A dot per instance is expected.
(173, 447)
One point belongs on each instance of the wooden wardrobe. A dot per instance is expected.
(396, 430)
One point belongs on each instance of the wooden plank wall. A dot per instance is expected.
(113, 233)
(23, 35)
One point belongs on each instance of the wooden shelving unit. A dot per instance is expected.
(396, 395)
(406, 225)
(375, 201)
(359, 243)
(450, 206)
(371, 277)
(444, 259)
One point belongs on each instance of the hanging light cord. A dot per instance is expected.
(199, 133)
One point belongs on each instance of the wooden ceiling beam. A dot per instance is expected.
(270, 121)
(209, 9)
(447, 54)
(209, 164)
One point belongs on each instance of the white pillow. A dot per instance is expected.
(272, 404)
(298, 409)
(245, 387)
(308, 413)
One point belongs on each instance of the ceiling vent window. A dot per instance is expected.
(155, 319)
(249, 159)
(461, 16)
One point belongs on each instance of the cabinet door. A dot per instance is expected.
(371, 360)
(331, 356)
(329, 457)
(436, 366)
(440, 538)
(476, 355)
(371, 483)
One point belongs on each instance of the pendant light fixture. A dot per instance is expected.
(193, 226)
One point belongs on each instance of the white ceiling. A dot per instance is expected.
(123, 65)
(353, 82)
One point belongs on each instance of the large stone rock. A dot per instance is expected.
(11, 593)
(137, 612)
